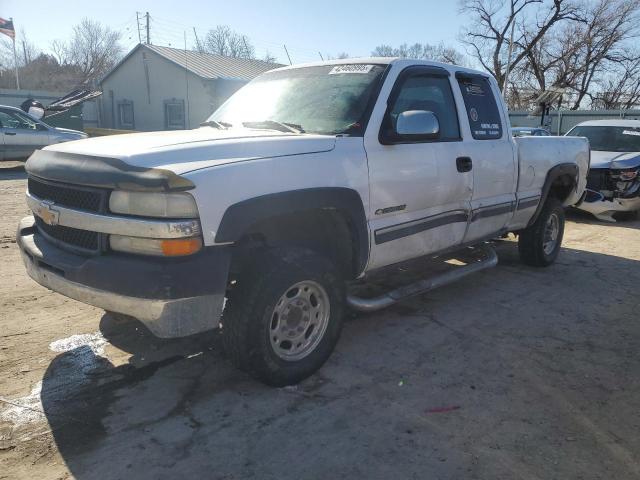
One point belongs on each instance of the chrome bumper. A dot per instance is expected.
(164, 317)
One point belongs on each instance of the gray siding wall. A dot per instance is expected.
(167, 82)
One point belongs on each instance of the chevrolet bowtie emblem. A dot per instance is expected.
(47, 213)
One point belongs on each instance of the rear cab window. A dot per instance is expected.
(481, 106)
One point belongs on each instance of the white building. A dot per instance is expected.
(163, 88)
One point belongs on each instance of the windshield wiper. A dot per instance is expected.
(213, 123)
(273, 125)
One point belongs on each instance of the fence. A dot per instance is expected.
(564, 120)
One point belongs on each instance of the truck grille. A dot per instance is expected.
(72, 196)
(80, 239)
(598, 179)
(92, 200)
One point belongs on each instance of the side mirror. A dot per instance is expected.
(418, 125)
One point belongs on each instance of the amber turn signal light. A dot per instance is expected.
(178, 247)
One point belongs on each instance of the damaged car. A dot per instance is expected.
(613, 184)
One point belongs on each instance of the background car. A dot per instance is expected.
(530, 132)
(21, 134)
(613, 184)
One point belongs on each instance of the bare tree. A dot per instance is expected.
(576, 55)
(439, 53)
(620, 87)
(93, 50)
(269, 57)
(224, 41)
(488, 35)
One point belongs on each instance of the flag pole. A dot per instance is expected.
(15, 58)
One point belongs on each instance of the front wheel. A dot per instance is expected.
(284, 316)
(539, 244)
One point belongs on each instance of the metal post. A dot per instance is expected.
(138, 26)
(287, 52)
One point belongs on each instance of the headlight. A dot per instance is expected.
(152, 204)
(626, 175)
(153, 246)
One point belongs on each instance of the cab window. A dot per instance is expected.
(428, 92)
(480, 104)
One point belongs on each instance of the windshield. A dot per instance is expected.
(610, 139)
(328, 99)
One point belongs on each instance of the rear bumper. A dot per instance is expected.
(172, 297)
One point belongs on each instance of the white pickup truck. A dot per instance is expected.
(306, 179)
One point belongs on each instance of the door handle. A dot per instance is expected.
(464, 164)
(9, 133)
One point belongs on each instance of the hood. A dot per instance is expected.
(182, 151)
(614, 160)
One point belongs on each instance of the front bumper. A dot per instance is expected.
(603, 209)
(172, 297)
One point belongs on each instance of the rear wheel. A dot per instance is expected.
(284, 316)
(539, 244)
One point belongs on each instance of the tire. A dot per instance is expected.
(268, 329)
(536, 246)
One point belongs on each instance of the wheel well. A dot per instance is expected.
(561, 187)
(325, 231)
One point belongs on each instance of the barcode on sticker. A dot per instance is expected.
(356, 68)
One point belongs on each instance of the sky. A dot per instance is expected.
(306, 28)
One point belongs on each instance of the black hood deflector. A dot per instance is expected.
(103, 172)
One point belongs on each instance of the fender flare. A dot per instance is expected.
(239, 217)
(562, 169)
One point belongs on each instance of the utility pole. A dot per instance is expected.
(148, 36)
(15, 59)
(138, 25)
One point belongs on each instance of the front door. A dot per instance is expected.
(22, 135)
(419, 198)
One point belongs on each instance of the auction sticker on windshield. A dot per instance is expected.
(356, 68)
(631, 132)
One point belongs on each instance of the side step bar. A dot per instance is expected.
(426, 285)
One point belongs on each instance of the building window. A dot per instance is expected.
(174, 118)
(125, 115)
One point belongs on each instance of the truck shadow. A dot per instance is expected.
(177, 408)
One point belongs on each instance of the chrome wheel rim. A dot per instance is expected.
(299, 320)
(551, 233)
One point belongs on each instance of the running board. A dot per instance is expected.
(423, 286)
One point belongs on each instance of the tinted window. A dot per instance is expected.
(610, 139)
(429, 93)
(481, 106)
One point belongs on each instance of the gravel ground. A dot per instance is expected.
(512, 373)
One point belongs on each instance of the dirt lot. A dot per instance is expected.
(514, 373)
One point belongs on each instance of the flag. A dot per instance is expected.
(6, 27)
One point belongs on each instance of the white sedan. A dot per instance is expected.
(21, 134)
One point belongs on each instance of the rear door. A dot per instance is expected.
(419, 200)
(493, 156)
